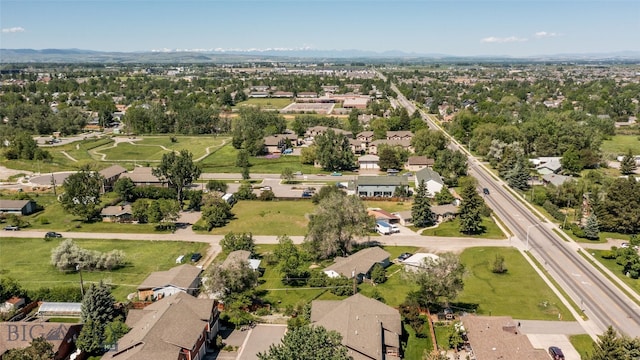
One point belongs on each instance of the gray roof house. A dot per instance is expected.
(21, 207)
(111, 175)
(184, 278)
(358, 264)
(379, 186)
(174, 328)
(556, 179)
(117, 213)
(143, 176)
(241, 255)
(432, 180)
(370, 329)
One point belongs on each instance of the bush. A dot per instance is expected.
(498, 265)
(609, 255)
(263, 311)
(68, 255)
(266, 195)
(578, 231)
(553, 210)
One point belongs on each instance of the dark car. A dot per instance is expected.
(11, 228)
(485, 191)
(52, 234)
(556, 353)
(404, 256)
(195, 257)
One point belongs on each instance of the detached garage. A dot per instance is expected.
(369, 162)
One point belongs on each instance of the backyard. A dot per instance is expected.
(28, 262)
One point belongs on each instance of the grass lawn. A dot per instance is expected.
(224, 161)
(583, 344)
(266, 103)
(269, 218)
(389, 206)
(451, 229)
(620, 144)
(394, 290)
(152, 148)
(519, 293)
(414, 350)
(27, 261)
(615, 269)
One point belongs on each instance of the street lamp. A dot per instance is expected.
(528, 229)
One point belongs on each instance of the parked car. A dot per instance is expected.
(556, 353)
(335, 173)
(265, 188)
(52, 234)
(298, 173)
(485, 191)
(11, 228)
(196, 257)
(404, 256)
(624, 245)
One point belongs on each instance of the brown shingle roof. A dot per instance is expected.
(365, 324)
(180, 276)
(420, 160)
(165, 327)
(141, 175)
(112, 171)
(360, 262)
(116, 210)
(13, 205)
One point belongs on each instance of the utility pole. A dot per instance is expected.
(81, 284)
(53, 182)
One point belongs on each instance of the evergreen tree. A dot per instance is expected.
(98, 304)
(518, 177)
(591, 229)
(628, 165)
(470, 209)
(91, 338)
(421, 209)
(444, 197)
(608, 347)
(308, 342)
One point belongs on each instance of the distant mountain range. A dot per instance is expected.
(230, 56)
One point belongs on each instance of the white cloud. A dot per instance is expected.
(16, 29)
(544, 34)
(510, 39)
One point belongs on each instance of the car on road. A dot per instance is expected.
(556, 353)
(196, 257)
(11, 228)
(335, 173)
(298, 173)
(485, 191)
(52, 234)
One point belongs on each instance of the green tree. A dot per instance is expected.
(498, 266)
(125, 188)
(518, 176)
(628, 164)
(609, 346)
(429, 142)
(451, 165)
(242, 159)
(378, 274)
(217, 185)
(287, 175)
(245, 173)
(591, 229)
(335, 224)
(232, 242)
(179, 170)
(354, 124)
(91, 339)
(470, 210)
(308, 342)
(115, 330)
(570, 161)
(421, 213)
(333, 151)
(97, 311)
(81, 195)
(439, 280)
(216, 212)
(245, 192)
(391, 157)
(235, 278)
(23, 146)
(443, 197)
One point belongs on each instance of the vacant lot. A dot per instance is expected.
(620, 144)
(27, 261)
(151, 148)
(269, 218)
(451, 228)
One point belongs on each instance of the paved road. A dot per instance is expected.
(601, 300)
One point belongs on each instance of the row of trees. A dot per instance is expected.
(69, 256)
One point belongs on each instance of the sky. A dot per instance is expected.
(452, 27)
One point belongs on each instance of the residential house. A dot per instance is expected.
(241, 256)
(184, 278)
(432, 181)
(14, 303)
(498, 337)
(405, 218)
(366, 137)
(259, 94)
(383, 215)
(370, 329)
(117, 214)
(282, 94)
(399, 135)
(20, 207)
(417, 261)
(317, 130)
(20, 334)
(358, 265)
(177, 327)
(556, 179)
(547, 165)
(445, 212)
(306, 95)
(369, 162)
(111, 175)
(403, 143)
(356, 102)
(276, 144)
(415, 163)
(357, 146)
(143, 176)
(379, 186)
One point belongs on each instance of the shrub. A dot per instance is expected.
(266, 195)
(498, 265)
(553, 210)
(578, 231)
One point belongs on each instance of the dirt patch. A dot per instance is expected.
(6, 173)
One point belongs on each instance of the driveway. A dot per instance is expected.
(259, 339)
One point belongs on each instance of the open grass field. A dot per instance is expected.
(267, 103)
(390, 206)
(451, 228)
(620, 144)
(615, 269)
(27, 261)
(269, 218)
(224, 161)
(151, 148)
(519, 293)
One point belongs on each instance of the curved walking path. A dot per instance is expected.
(68, 156)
